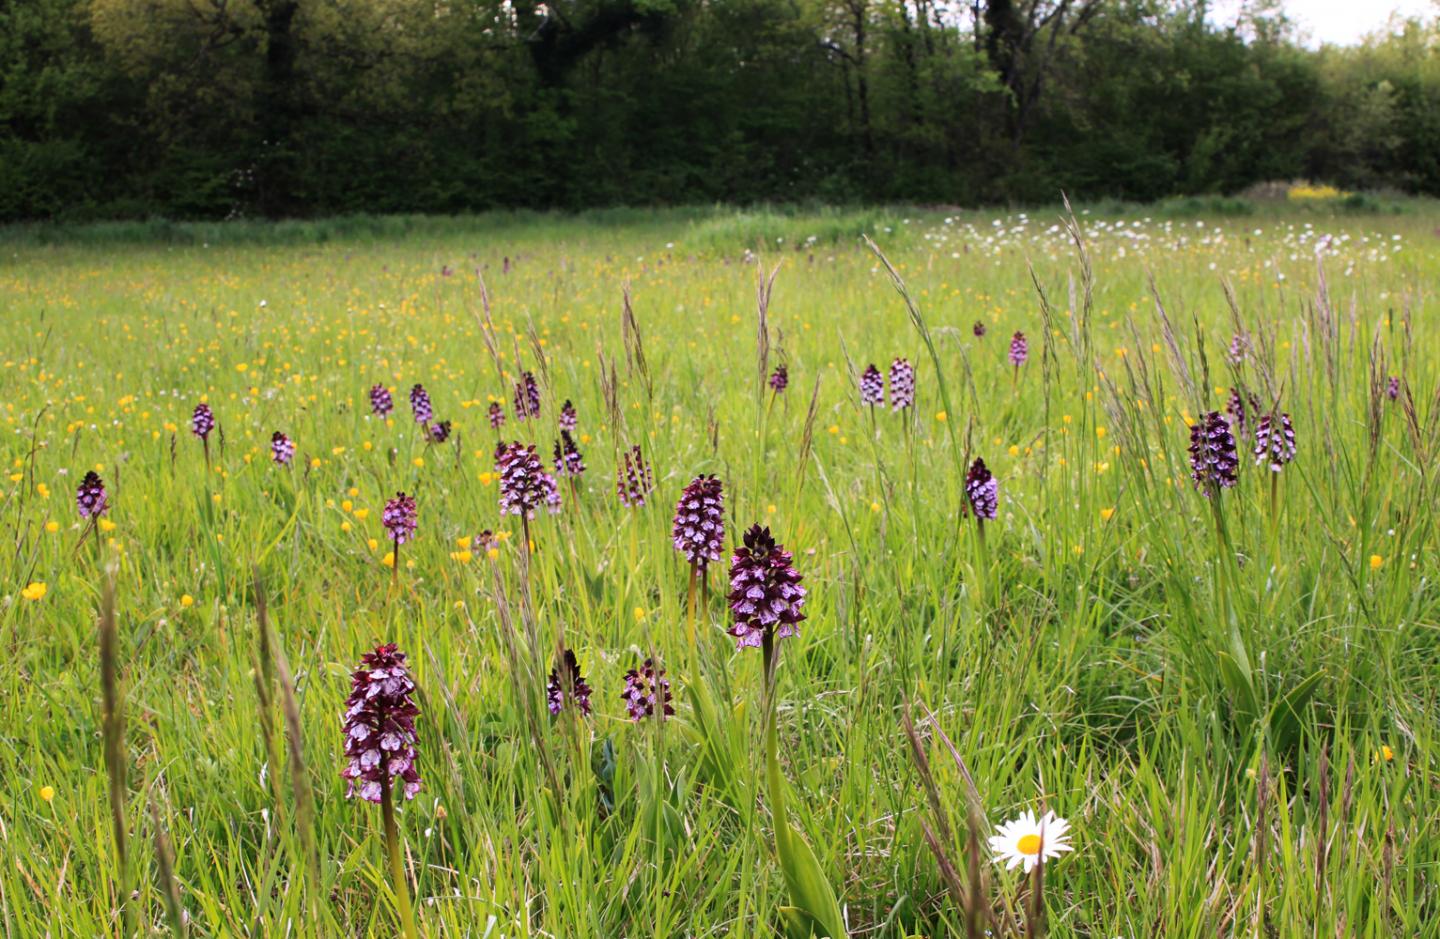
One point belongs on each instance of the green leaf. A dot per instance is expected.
(1237, 682)
(1286, 716)
(798, 923)
(810, 889)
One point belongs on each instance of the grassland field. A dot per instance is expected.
(1229, 692)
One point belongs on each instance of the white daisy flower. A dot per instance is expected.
(1025, 839)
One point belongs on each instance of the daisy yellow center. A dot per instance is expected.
(1028, 844)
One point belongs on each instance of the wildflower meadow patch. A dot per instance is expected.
(1002, 575)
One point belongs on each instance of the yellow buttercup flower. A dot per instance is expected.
(187, 601)
(1376, 562)
(35, 591)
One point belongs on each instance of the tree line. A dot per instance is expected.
(218, 108)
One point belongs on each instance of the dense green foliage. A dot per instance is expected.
(135, 108)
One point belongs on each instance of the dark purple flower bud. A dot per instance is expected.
(872, 386)
(902, 385)
(497, 415)
(699, 529)
(765, 593)
(282, 448)
(202, 421)
(780, 378)
(420, 404)
(91, 499)
(978, 329)
(527, 397)
(982, 491)
(567, 416)
(524, 484)
(567, 686)
(646, 691)
(380, 401)
(568, 461)
(439, 432)
(1019, 349)
(1392, 388)
(633, 479)
(379, 725)
(1274, 441)
(1213, 460)
(399, 518)
(1239, 408)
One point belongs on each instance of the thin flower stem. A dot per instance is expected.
(397, 866)
(690, 616)
(771, 658)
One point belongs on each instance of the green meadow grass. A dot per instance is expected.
(1232, 700)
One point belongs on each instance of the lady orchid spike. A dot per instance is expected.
(699, 528)
(91, 500)
(902, 385)
(380, 746)
(872, 387)
(497, 415)
(1239, 408)
(780, 378)
(527, 397)
(400, 518)
(420, 405)
(982, 491)
(282, 448)
(524, 484)
(1239, 348)
(568, 461)
(766, 599)
(647, 692)
(1019, 349)
(634, 480)
(380, 727)
(381, 403)
(202, 422)
(1274, 441)
(567, 416)
(567, 686)
(1213, 460)
(698, 532)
